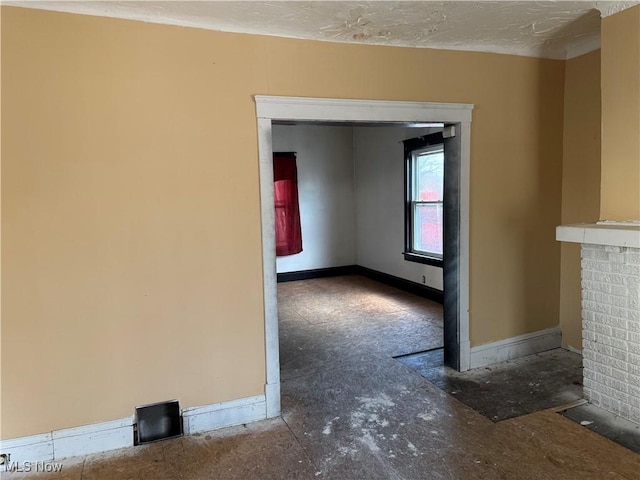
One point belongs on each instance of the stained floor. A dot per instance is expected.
(350, 411)
(508, 389)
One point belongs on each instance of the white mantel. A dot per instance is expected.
(610, 254)
(618, 234)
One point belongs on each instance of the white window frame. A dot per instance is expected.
(415, 203)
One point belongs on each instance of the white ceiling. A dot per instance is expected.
(551, 29)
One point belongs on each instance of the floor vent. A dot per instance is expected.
(157, 421)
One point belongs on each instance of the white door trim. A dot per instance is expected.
(270, 108)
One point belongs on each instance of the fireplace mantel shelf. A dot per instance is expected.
(619, 234)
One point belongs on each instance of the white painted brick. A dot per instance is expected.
(588, 285)
(590, 384)
(593, 397)
(615, 384)
(625, 410)
(634, 394)
(599, 297)
(619, 333)
(610, 321)
(619, 364)
(619, 354)
(634, 359)
(609, 278)
(596, 266)
(619, 312)
(611, 328)
(596, 307)
(621, 376)
(621, 302)
(597, 328)
(626, 269)
(618, 290)
(632, 257)
(593, 367)
(610, 341)
(600, 348)
(611, 404)
(617, 257)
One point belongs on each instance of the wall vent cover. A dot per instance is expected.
(158, 421)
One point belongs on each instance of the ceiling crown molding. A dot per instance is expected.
(611, 8)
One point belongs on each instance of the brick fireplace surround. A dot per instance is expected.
(610, 313)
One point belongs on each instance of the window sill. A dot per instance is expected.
(424, 259)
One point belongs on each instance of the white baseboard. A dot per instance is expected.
(225, 414)
(34, 448)
(465, 356)
(88, 439)
(515, 347)
(272, 394)
(70, 442)
(105, 436)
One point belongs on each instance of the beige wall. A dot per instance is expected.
(131, 222)
(620, 191)
(580, 180)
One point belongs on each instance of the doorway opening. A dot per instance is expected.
(456, 273)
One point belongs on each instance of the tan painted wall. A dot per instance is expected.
(620, 190)
(580, 180)
(131, 259)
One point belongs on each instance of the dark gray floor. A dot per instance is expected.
(509, 389)
(610, 426)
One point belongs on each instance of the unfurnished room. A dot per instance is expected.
(299, 240)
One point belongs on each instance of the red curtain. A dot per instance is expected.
(288, 231)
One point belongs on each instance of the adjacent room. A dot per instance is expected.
(350, 189)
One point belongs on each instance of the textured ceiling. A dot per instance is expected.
(552, 29)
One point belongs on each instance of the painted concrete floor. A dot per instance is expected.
(350, 411)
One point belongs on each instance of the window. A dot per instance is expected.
(424, 193)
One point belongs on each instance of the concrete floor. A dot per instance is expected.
(350, 411)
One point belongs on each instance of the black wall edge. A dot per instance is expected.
(402, 284)
(317, 273)
(397, 282)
